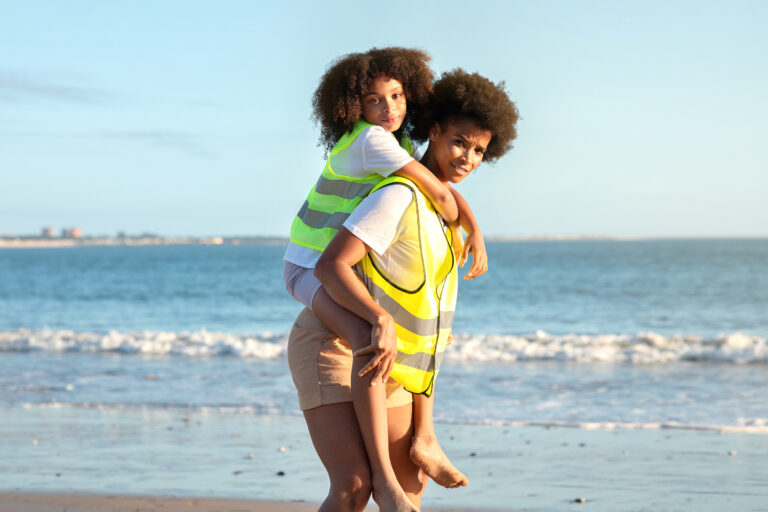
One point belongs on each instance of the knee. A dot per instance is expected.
(353, 493)
(362, 334)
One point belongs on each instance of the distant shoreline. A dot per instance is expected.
(52, 243)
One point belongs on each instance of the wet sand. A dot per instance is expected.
(76, 502)
(86, 460)
(44, 502)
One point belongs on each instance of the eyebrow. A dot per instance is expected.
(467, 139)
(393, 91)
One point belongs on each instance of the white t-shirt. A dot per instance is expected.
(377, 219)
(380, 223)
(374, 151)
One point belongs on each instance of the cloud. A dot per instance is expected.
(184, 142)
(16, 87)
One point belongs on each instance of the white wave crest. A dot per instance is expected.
(643, 348)
(196, 344)
(740, 425)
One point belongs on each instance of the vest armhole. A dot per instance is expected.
(414, 203)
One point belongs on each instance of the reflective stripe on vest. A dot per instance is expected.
(423, 316)
(333, 197)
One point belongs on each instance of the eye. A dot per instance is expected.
(397, 95)
(373, 101)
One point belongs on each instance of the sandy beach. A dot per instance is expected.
(77, 502)
(142, 460)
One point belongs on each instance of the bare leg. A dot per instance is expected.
(336, 436)
(369, 403)
(426, 451)
(411, 478)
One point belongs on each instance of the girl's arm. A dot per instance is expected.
(335, 270)
(438, 193)
(475, 242)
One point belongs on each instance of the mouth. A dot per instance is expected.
(392, 120)
(460, 170)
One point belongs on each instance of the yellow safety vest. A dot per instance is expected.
(422, 310)
(333, 197)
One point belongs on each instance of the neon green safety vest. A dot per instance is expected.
(423, 312)
(334, 197)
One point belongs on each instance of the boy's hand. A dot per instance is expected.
(476, 245)
(384, 349)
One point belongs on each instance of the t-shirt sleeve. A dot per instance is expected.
(382, 154)
(376, 220)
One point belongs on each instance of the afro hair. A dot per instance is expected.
(461, 95)
(337, 102)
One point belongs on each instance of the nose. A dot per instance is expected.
(466, 155)
(470, 156)
(391, 105)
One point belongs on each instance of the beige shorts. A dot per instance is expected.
(321, 365)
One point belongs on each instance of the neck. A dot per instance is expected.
(429, 161)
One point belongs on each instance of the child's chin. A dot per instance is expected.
(391, 127)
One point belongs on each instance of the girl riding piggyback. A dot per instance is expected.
(364, 106)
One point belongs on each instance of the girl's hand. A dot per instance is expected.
(476, 245)
(384, 349)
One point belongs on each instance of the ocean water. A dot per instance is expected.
(588, 334)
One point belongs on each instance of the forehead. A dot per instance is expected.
(468, 129)
(383, 84)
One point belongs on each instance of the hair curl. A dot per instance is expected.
(336, 104)
(461, 95)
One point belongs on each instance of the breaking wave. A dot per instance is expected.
(642, 348)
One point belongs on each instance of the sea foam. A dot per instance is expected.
(195, 344)
(741, 425)
(642, 348)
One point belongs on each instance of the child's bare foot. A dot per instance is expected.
(427, 454)
(392, 498)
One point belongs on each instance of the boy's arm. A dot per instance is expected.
(475, 242)
(439, 194)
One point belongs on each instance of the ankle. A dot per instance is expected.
(384, 480)
(424, 439)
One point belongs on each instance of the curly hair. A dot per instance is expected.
(460, 95)
(336, 104)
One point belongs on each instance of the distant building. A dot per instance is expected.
(48, 232)
(71, 233)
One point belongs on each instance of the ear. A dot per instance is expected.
(434, 132)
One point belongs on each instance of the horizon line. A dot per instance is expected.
(489, 238)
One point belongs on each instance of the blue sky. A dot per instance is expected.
(192, 118)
